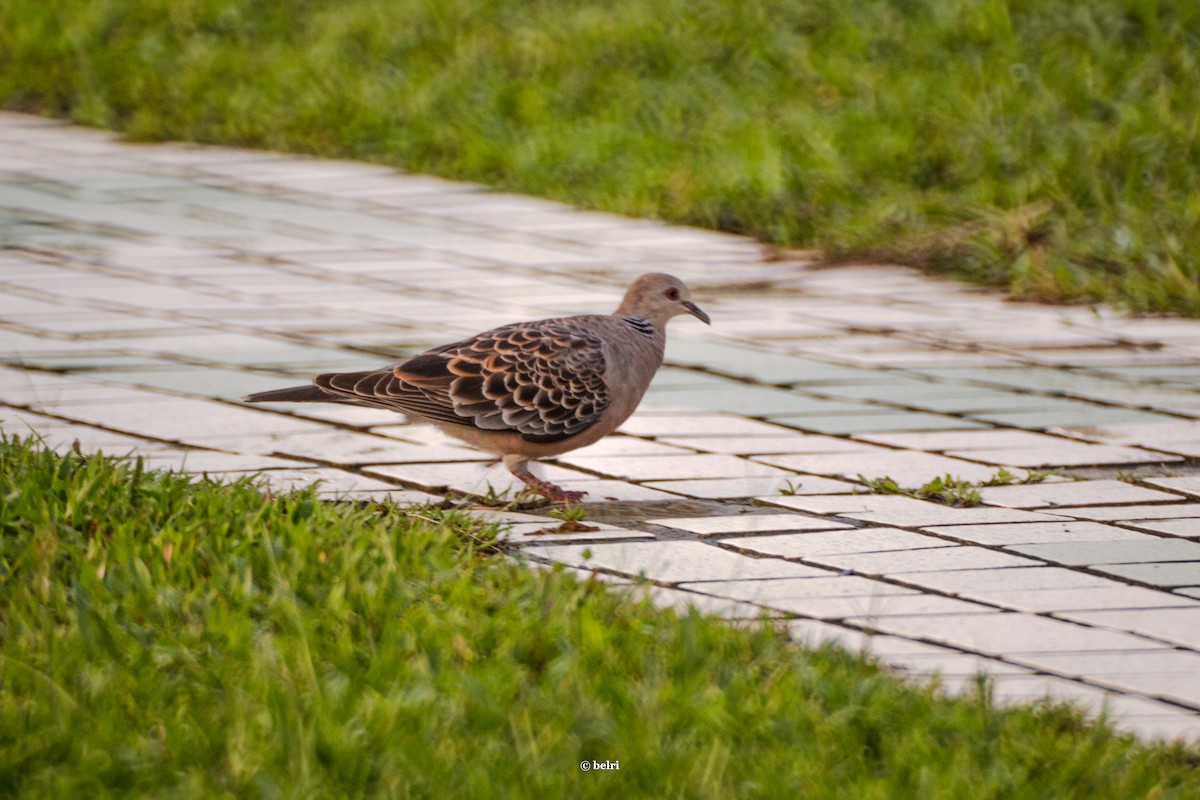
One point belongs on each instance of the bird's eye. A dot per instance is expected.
(671, 294)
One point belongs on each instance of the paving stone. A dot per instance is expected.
(618, 445)
(902, 511)
(1084, 553)
(214, 382)
(1024, 689)
(602, 490)
(853, 540)
(906, 468)
(683, 422)
(987, 439)
(1185, 528)
(759, 401)
(1149, 662)
(1130, 513)
(1025, 377)
(774, 591)
(50, 395)
(866, 609)
(977, 401)
(1169, 574)
(1189, 591)
(1065, 455)
(390, 495)
(1045, 601)
(1064, 413)
(1178, 727)
(1010, 580)
(1189, 486)
(898, 648)
(473, 477)
(1004, 634)
(285, 480)
(343, 447)
(63, 437)
(748, 523)
(784, 442)
(955, 672)
(201, 461)
(1124, 708)
(684, 602)
(926, 560)
(550, 530)
(680, 467)
(1177, 625)
(19, 420)
(674, 561)
(181, 419)
(815, 633)
(887, 387)
(1075, 493)
(731, 488)
(1169, 434)
(849, 424)
(1037, 533)
(764, 366)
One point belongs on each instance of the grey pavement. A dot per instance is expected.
(144, 288)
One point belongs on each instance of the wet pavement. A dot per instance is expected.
(145, 288)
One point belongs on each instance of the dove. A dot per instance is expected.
(526, 390)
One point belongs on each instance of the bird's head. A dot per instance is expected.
(657, 297)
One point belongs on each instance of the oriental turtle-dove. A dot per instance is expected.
(526, 390)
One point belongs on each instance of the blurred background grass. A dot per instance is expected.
(1047, 147)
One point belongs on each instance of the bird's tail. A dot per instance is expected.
(293, 394)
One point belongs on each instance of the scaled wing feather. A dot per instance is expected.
(544, 380)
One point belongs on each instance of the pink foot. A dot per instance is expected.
(552, 492)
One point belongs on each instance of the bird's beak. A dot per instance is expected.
(695, 311)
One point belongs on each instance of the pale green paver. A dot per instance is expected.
(1067, 414)
(846, 424)
(1145, 549)
(676, 562)
(1068, 454)
(1058, 534)
(1168, 574)
(748, 523)
(1134, 514)
(904, 562)
(1176, 625)
(1080, 493)
(1004, 634)
(1189, 486)
(836, 542)
(734, 488)
(1186, 528)
(1045, 601)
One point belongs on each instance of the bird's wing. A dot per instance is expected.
(543, 380)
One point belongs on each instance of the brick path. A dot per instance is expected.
(143, 289)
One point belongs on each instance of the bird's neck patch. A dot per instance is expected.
(641, 325)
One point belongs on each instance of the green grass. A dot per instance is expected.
(1047, 147)
(947, 489)
(160, 637)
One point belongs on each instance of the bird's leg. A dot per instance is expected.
(519, 466)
